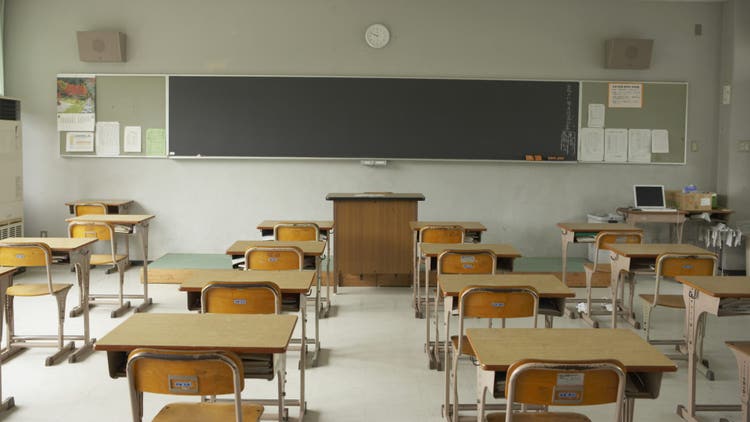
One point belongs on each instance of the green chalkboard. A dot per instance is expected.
(664, 106)
(131, 100)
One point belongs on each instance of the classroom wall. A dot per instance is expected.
(205, 205)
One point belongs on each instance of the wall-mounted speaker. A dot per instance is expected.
(101, 46)
(628, 53)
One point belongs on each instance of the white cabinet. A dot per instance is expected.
(11, 169)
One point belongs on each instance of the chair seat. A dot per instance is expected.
(670, 301)
(544, 416)
(600, 268)
(465, 346)
(207, 412)
(104, 259)
(36, 289)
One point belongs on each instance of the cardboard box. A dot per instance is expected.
(692, 201)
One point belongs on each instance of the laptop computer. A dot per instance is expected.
(650, 198)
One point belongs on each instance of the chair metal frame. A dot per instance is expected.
(572, 367)
(499, 312)
(648, 307)
(420, 303)
(226, 357)
(600, 243)
(103, 209)
(119, 265)
(14, 341)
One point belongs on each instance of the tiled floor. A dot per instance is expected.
(372, 367)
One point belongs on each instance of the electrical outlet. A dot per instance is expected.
(694, 146)
(744, 146)
(43, 233)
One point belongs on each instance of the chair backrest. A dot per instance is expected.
(672, 265)
(274, 258)
(605, 238)
(441, 234)
(466, 262)
(495, 302)
(31, 254)
(94, 230)
(296, 232)
(88, 208)
(241, 298)
(184, 373)
(565, 383)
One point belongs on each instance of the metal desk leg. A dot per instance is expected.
(147, 302)
(414, 269)
(316, 344)
(564, 257)
(302, 356)
(8, 402)
(428, 343)
(80, 259)
(439, 364)
(447, 409)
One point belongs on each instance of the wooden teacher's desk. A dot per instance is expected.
(629, 257)
(585, 233)
(137, 224)
(6, 279)
(241, 334)
(472, 234)
(677, 217)
(552, 294)
(114, 206)
(326, 229)
(373, 240)
(715, 295)
(78, 251)
(309, 249)
(498, 348)
(505, 255)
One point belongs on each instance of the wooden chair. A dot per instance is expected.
(296, 232)
(189, 373)
(104, 232)
(488, 303)
(536, 382)
(35, 254)
(432, 234)
(672, 265)
(241, 298)
(274, 258)
(97, 208)
(466, 262)
(601, 243)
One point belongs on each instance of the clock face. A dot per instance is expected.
(377, 35)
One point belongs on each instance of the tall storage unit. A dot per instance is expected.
(11, 169)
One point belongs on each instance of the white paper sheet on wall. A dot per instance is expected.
(639, 145)
(107, 138)
(660, 141)
(596, 115)
(79, 142)
(131, 139)
(592, 144)
(616, 145)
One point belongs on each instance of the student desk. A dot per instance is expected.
(551, 291)
(326, 228)
(6, 279)
(241, 334)
(114, 206)
(78, 251)
(627, 257)
(136, 223)
(505, 255)
(472, 231)
(741, 351)
(585, 233)
(309, 248)
(715, 295)
(498, 348)
(294, 284)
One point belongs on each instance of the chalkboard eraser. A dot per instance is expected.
(533, 157)
(171, 153)
(529, 157)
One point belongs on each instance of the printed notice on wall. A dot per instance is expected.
(79, 142)
(107, 138)
(625, 95)
(660, 141)
(615, 145)
(596, 115)
(76, 103)
(639, 145)
(156, 142)
(592, 144)
(132, 139)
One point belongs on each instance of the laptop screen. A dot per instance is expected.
(649, 196)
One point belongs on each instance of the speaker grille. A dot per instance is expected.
(10, 109)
